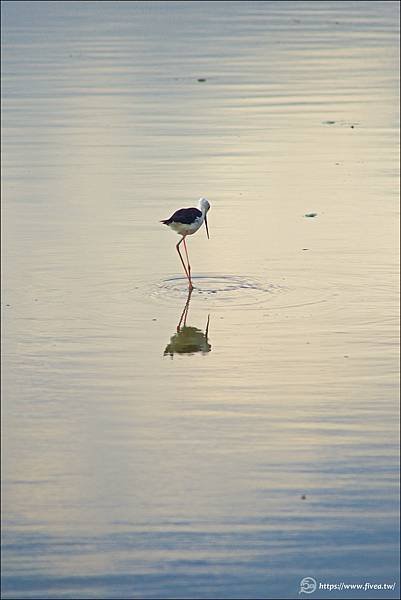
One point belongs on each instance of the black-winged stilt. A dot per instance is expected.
(187, 221)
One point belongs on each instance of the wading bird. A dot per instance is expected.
(187, 221)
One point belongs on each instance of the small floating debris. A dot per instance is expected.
(303, 497)
(305, 248)
(341, 123)
(310, 215)
(201, 79)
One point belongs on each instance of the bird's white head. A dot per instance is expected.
(204, 205)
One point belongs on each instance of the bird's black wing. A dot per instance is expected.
(183, 215)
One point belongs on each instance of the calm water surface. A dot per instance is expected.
(132, 467)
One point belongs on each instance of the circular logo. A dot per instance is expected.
(308, 585)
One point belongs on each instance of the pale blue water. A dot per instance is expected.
(270, 453)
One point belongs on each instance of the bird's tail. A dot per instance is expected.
(166, 221)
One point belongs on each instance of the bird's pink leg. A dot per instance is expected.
(189, 266)
(183, 264)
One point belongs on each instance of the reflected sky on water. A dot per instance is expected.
(266, 453)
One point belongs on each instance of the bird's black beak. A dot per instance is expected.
(207, 229)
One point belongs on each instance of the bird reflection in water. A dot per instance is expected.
(188, 340)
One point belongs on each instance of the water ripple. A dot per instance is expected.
(218, 290)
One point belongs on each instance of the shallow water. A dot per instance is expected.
(257, 446)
